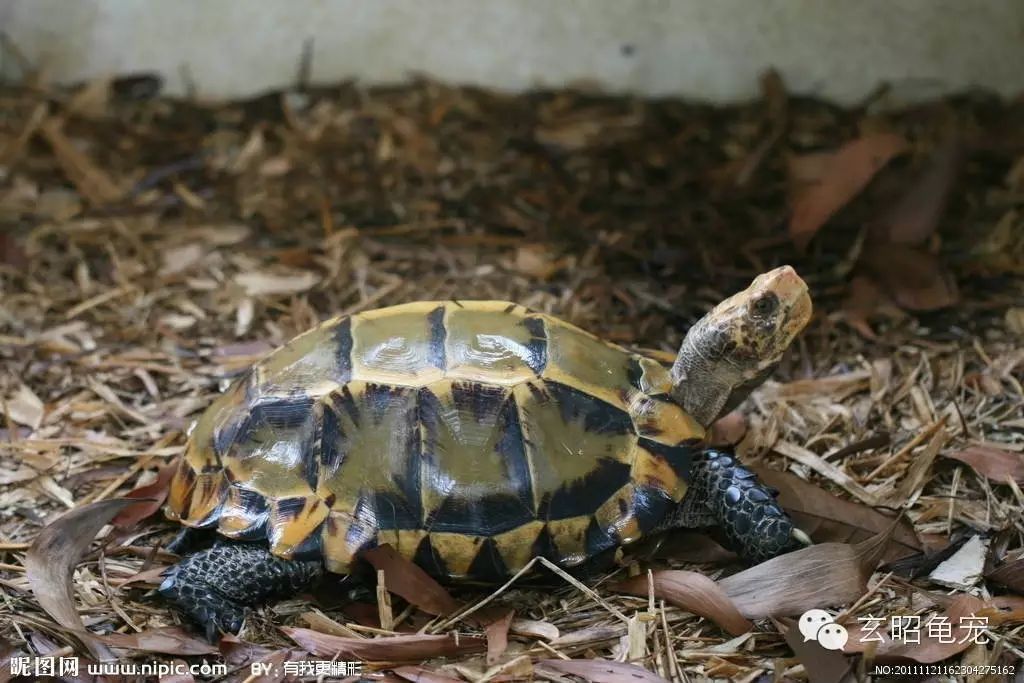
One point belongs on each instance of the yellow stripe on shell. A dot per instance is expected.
(288, 531)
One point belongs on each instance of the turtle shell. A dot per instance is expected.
(471, 436)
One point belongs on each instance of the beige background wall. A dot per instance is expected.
(710, 49)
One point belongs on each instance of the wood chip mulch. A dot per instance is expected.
(151, 249)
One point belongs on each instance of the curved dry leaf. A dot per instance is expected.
(995, 463)
(599, 670)
(56, 551)
(693, 592)
(50, 561)
(148, 499)
(389, 648)
(840, 177)
(810, 578)
(169, 641)
(410, 581)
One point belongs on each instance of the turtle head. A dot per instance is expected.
(734, 348)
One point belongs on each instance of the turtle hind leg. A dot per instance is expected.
(215, 587)
(725, 494)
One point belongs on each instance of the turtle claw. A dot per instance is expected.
(214, 612)
(801, 537)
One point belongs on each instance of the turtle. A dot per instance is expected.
(472, 437)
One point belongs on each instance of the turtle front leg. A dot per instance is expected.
(216, 586)
(725, 494)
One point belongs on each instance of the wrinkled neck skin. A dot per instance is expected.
(707, 380)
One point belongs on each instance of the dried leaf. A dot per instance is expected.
(1010, 573)
(24, 407)
(810, 578)
(842, 176)
(497, 636)
(388, 648)
(914, 217)
(828, 518)
(51, 560)
(150, 498)
(410, 581)
(170, 641)
(180, 259)
(264, 283)
(598, 670)
(693, 592)
(915, 280)
(995, 463)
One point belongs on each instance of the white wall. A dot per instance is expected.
(710, 49)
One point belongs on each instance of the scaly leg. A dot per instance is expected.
(725, 494)
(216, 586)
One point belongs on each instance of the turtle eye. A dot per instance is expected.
(764, 305)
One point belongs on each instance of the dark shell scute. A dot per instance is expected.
(584, 496)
